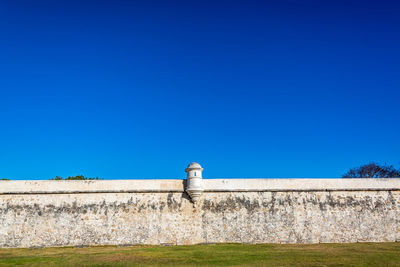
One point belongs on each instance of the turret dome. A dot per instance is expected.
(194, 165)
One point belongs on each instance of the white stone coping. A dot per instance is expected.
(209, 185)
(94, 186)
(301, 184)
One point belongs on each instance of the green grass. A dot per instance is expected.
(360, 254)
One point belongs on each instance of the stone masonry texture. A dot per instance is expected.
(262, 216)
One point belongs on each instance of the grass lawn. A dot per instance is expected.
(360, 254)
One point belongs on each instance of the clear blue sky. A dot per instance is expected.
(139, 89)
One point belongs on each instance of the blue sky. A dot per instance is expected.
(139, 89)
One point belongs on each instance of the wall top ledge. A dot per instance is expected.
(209, 185)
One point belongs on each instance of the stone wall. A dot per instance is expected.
(126, 212)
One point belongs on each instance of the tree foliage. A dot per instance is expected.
(373, 170)
(77, 177)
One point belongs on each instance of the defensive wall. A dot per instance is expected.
(129, 212)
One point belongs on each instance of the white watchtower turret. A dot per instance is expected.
(194, 186)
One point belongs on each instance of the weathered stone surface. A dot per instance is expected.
(160, 217)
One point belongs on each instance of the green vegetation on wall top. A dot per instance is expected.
(77, 177)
